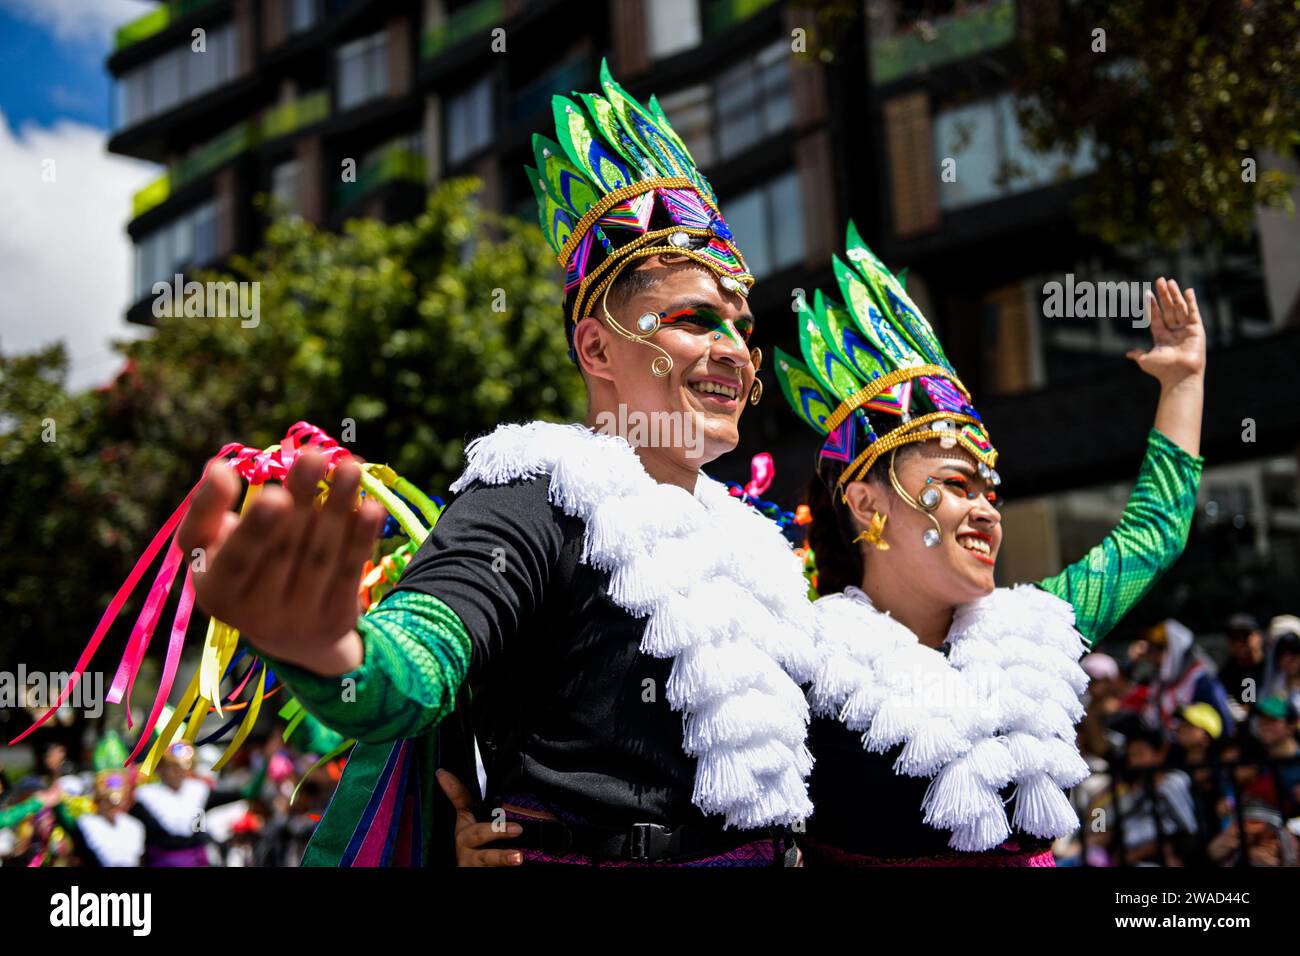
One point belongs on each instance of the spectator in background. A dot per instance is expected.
(1199, 731)
(1156, 806)
(1096, 739)
(1274, 741)
(1242, 674)
(1268, 842)
(1283, 678)
(54, 763)
(1184, 675)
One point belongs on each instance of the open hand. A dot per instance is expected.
(1177, 334)
(285, 573)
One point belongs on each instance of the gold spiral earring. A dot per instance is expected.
(932, 536)
(874, 535)
(663, 363)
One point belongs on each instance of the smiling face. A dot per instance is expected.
(960, 568)
(702, 328)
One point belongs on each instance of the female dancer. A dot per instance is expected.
(945, 706)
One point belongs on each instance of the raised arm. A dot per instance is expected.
(1113, 576)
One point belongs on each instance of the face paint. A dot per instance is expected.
(710, 320)
(963, 487)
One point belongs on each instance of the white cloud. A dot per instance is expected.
(65, 257)
(79, 20)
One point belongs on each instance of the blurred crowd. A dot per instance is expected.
(1194, 755)
(92, 812)
(1195, 760)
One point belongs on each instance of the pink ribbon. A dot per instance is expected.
(254, 465)
(762, 470)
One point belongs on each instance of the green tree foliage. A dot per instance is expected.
(1183, 95)
(424, 334)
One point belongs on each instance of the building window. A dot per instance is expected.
(991, 158)
(284, 185)
(176, 76)
(469, 121)
(752, 100)
(187, 241)
(768, 224)
(300, 15)
(363, 70)
(672, 26)
(691, 113)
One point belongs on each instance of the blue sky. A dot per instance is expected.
(65, 257)
(45, 79)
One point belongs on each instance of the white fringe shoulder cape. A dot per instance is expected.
(723, 596)
(999, 709)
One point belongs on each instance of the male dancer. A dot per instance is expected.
(635, 637)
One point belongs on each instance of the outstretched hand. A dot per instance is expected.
(285, 573)
(1177, 334)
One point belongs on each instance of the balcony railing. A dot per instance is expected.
(721, 15)
(932, 43)
(274, 122)
(476, 18)
(298, 114)
(155, 21)
(394, 164)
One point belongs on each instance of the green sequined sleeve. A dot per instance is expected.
(1110, 579)
(13, 815)
(417, 656)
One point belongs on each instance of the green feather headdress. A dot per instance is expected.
(620, 185)
(874, 375)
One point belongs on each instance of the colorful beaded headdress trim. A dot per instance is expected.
(874, 376)
(619, 186)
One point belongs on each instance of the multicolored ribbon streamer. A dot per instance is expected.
(413, 511)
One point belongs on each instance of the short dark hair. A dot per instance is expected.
(630, 283)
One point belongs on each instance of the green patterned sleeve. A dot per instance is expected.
(13, 815)
(417, 656)
(1110, 579)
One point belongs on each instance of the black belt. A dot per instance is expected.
(640, 842)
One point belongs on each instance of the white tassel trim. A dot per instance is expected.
(999, 709)
(723, 595)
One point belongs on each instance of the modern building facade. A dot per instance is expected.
(344, 108)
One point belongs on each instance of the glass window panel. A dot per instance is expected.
(378, 67)
(969, 135)
(203, 70)
(183, 242)
(228, 45)
(469, 121)
(136, 84)
(166, 80)
(1028, 169)
(672, 26)
(774, 80)
(786, 225)
(748, 221)
(205, 233)
(690, 112)
(142, 274)
(302, 14)
(362, 70)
